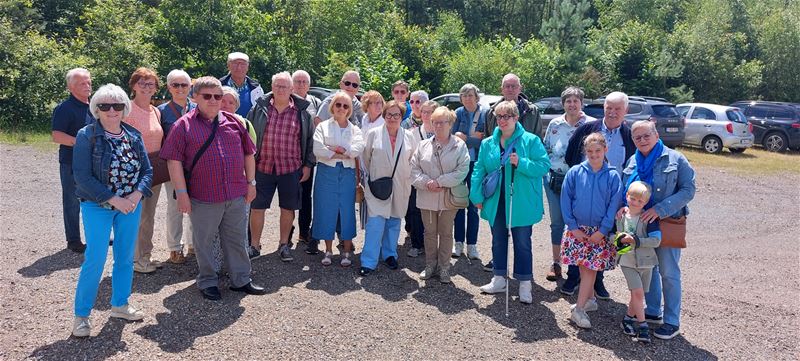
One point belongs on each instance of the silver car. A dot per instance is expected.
(713, 127)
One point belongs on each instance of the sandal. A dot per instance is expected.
(346, 260)
(327, 260)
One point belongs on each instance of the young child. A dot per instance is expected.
(590, 197)
(637, 263)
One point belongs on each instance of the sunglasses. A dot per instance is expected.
(415, 101)
(106, 107)
(399, 91)
(505, 117)
(342, 105)
(207, 96)
(350, 84)
(179, 85)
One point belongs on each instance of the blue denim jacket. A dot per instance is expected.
(90, 164)
(673, 183)
(463, 124)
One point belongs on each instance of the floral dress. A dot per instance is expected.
(123, 174)
(596, 257)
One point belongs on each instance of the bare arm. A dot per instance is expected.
(62, 138)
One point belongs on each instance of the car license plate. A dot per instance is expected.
(745, 141)
(672, 130)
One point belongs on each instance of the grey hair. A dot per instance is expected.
(301, 73)
(76, 71)
(617, 97)
(467, 88)
(284, 75)
(421, 94)
(572, 91)
(644, 124)
(178, 74)
(109, 93)
(230, 91)
(204, 82)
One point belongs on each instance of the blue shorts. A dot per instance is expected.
(289, 190)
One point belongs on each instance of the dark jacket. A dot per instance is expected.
(574, 153)
(258, 116)
(529, 117)
(92, 161)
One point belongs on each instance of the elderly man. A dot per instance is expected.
(620, 148)
(248, 88)
(400, 93)
(68, 118)
(284, 158)
(529, 117)
(301, 82)
(349, 84)
(217, 188)
(414, 119)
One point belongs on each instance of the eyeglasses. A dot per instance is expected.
(415, 101)
(441, 124)
(350, 84)
(281, 87)
(393, 115)
(427, 112)
(342, 105)
(399, 91)
(179, 85)
(510, 86)
(300, 81)
(505, 117)
(104, 107)
(208, 96)
(642, 137)
(146, 84)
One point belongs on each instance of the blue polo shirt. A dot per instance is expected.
(245, 103)
(69, 117)
(616, 147)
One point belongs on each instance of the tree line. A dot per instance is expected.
(704, 50)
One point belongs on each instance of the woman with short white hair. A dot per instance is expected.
(416, 99)
(112, 175)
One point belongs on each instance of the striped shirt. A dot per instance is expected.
(280, 149)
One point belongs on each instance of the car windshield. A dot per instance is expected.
(594, 110)
(665, 110)
(735, 115)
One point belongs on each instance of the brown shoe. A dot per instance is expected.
(555, 272)
(190, 251)
(176, 257)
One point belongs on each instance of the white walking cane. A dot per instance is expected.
(510, 239)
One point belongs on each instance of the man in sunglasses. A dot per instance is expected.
(350, 83)
(400, 93)
(511, 88)
(68, 118)
(248, 88)
(284, 158)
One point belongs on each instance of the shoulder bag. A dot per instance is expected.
(159, 165)
(492, 180)
(187, 173)
(381, 188)
(673, 232)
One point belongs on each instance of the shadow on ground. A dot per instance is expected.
(47, 265)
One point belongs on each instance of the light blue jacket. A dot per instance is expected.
(590, 198)
(673, 183)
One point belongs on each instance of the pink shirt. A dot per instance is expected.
(147, 122)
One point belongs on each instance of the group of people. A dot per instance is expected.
(223, 147)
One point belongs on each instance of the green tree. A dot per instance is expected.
(566, 30)
(779, 42)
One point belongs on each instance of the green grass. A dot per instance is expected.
(754, 161)
(38, 140)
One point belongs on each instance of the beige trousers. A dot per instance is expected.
(438, 236)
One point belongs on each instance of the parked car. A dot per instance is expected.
(551, 108)
(453, 101)
(776, 125)
(713, 127)
(669, 124)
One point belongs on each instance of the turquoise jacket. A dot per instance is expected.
(533, 165)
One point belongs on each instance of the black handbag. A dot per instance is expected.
(187, 173)
(381, 188)
(556, 181)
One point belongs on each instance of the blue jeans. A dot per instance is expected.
(97, 225)
(523, 256)
(472, 218)
(71, 206)
(556, 219)
(380, 240)
(667, 280)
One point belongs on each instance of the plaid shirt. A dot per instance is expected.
(280, 149)
(219, 173)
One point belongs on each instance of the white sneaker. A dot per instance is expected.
(472, 252)
(458, 249)
(127, 312)
(427, 273)
(81, 327)
(525, 295)
(497, 285)
(148, 268)
(580, 317)
(591, 305)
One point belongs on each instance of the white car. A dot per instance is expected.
(713, 127)
(453, 101)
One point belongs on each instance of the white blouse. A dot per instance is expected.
(328, 135)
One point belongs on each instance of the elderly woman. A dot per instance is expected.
(469, 126)
(147, 120)
(556, 139)
(387, 153)
(522, 161)
(439, 164)
(372, 104)
(178, 84)
(414, 225)
(671, 176)
(337, 143)
(230, 103)
(112, 174)
(416, 99)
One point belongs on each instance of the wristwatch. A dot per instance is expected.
(252, 182)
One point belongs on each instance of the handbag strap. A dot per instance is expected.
(396, 160)
(205, 145)
(507, 154)
(475, 119)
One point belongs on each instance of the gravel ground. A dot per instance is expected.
(741, 290)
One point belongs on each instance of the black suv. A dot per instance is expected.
(776, 125)
(669, 123)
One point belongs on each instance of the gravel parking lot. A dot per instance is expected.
(741, 292)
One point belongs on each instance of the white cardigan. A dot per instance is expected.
(329, 134)
(378, 159)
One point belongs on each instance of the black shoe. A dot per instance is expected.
(489, 266)
(569, 286)
(312, 247)
(391, 262)
(601, 292)
(253, 252)
(76, 247)
(211, 293)
(364, 271)
(655, 320)
(629, 326)
(250, 288)
(643, 333)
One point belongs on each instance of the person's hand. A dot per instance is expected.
(621, 212)
(184, 203)
(340, 150)
(513, 159)
(627, 239)
(479, 206)
(123, 205)
(432, 185)
(596, 238)
(649, 215)
(251, 193)
(306, 174)
(135, 197)
(579, 235)
(461, 135)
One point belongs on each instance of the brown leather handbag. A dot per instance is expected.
(673, 232)
(160, 172)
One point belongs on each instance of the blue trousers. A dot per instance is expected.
(380, 240)
(97, 225)
(666, 281)
(556, 218)
(472, 218)
(71, 206)
(523, 255)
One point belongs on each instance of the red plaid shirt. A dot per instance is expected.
(280, 149)
(218, 175)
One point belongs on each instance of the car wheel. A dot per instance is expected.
(712, 144)
(776, 142)
(737, 150)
